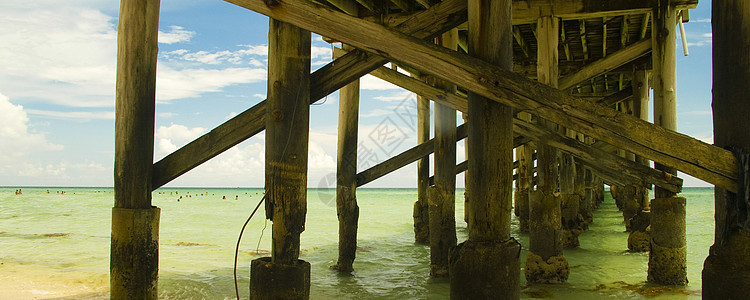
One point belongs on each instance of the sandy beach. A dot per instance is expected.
(19, 281)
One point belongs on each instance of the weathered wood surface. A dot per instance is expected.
(664, 37)
(403, 159)
(135, 103)
(347, 209)
(610, 62)
(329, 78)
(707, 162)
(490, 126)
(287, 116)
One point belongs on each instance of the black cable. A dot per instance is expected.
(237, 250)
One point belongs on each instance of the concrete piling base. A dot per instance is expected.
(270, 280)
(134, 256)
(485, 270)
(667, 263)
(639, 241)
(572, 221)
(421, 222)
(553, 270)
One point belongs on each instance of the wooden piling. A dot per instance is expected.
(726, 273)
(666, 254)
(134, 256)
(443, 199)
(285, 276)
(487, 265)
(639, 239)
(545, 262)
(523, 184)
(347, 209)
(421, 206)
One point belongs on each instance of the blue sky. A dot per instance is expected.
(57, 83)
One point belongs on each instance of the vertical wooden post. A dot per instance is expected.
(726, 273)
(487, 264)
(134, 256)
(346, 174)
(524, 155)
(284, 275)
(668, 257)
(421, 206)
(545, 262)
(442, 200)
(639, 239)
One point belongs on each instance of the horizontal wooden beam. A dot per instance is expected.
(706, 162)
(608, 63)
(424, 25)
(623, 95)
(403, 159)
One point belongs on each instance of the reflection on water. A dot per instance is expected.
(66, 237)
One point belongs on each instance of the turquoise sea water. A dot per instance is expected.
(51, 240)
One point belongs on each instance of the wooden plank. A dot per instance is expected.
(347, 6)
(707, 162)
(329, 78)
(421, 206)
(606, 64)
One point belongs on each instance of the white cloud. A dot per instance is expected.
(65, 55)
(18, 141)
(260, 96)
(81, 115)
(321, 52)
(170, 138)
(176, 34)
(174, 84)
(397, 97)
(369, 82)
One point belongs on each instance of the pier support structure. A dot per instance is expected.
(347, 209)
(134, 256)
(421, 206)
(726, 272)
(545, 262)
(442, 197)
(487, 265)
(667, 262)
(284, 275)
(639, 239)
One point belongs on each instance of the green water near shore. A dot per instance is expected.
(68, 236)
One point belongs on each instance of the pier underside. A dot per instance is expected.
(563, 82)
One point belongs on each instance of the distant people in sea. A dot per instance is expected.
(19, 192)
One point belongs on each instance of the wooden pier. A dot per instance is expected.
(563, 83)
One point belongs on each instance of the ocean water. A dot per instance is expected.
(55, 245)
